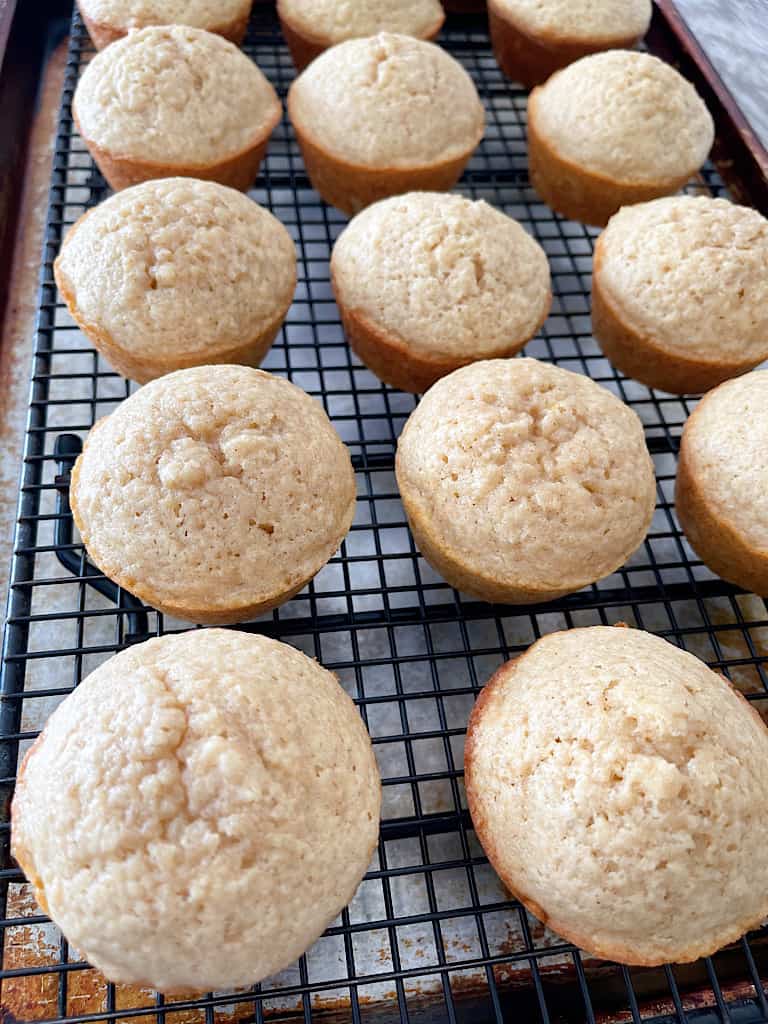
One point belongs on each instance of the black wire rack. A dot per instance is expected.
(431, 934)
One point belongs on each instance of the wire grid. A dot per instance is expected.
(431, 934)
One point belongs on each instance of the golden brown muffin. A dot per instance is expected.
(311, 26)
(206, 493)
(721, 492)
(186, 781)
(428, 282)
(680, 292)
(619, 788)
(384, 115)
(108, 20)
(175, 273)
(614, 129)
(523, 482)
(534, 38)
(175, 101)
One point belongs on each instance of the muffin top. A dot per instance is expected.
(528, 474)
(332, 22)
(446, 275)
(388, 101)
(627, 115)
(185, 781)
(178, 268)
(126, 14)
(618, 786)
(209, 489)
(174, 95)
(596, 21)
(725, 443)
(658, 263)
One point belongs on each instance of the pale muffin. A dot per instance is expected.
(721, 493)
(427, 282)
(311, 26)
(523, 482)
(175, 273)
(614, 129)
(680, 292)
(214, 493)
(174, 100)
(534, 38)
(379, 116)
(198, 811)
(108, 20)
(620, 788)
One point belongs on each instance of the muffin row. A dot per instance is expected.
(178, 272)
(531, 39)
(216, 493)
(203, 805)
(385, 114)
(309, 26)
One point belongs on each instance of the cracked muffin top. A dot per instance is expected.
(618, 786)
(594, 21)
(388, 101)
(657, 263)
(122, 15)
(724, 443)
(214, 491)
(626, 115)
(331, 22)
(174, 95)
(527, 475)
(179, 267)
(185, 782)
(449, 276)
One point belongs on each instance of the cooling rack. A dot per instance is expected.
(431, 934)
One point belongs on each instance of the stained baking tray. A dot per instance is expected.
(431, 934)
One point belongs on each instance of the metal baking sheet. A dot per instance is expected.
(431, 933)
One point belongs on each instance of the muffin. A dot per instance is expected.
(383, 115)
(427, 282)
(614, 129)
(523, 482)
(198, 810)
(108, 20)
(173, 100)
(680, 292)
(620, 788)
(721, 492)
(214, 493)
(311, 26)
(533, 38)
(176, 273)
